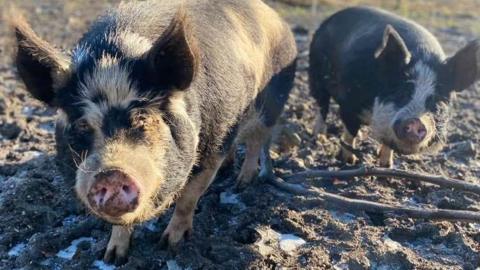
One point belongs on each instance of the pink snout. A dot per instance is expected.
(113, 193)
(410, 130)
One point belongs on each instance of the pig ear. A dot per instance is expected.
(41, 66)
(393, 49)
(463, 69)
(173, 57)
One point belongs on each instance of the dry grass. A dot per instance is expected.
(434, 13)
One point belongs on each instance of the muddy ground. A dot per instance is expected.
(43, 227)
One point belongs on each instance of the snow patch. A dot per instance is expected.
(102, 265)
(173, 265)
(70, 220)
(231, 198)
(17, 250)
(290, 242)
(343, 217)
(31, 155)
(70, 251)
(341, 266)
(271, 240)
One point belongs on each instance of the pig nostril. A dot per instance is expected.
(126, 189)
(103, 191)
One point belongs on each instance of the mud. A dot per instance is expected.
(43, 227)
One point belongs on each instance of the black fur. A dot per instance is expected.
(346, 65)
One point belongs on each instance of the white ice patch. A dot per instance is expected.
(475, 226)
(17, 250)
(343, 217)
(173, 265)
(341, 266)
(32, 154)
(70, 220)
(70, 251)
(228, 198)
(102, 265)
(231, 198)
(271, 240)
(290, 242)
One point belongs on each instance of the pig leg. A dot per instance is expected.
(320, 126)
(318, 81)
(266, 164)
(352, 126)
(345, 154)
(181, 223)
(256, 133)
(255, 138)
(323, 100)
(118, 245)
(385, 156)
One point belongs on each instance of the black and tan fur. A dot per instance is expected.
(162, 89)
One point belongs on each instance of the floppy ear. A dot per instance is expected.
(41, 66)
(173, 58)
(393, 50)
(463, 69)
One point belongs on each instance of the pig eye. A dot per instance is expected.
(81, 126)
(139, 118)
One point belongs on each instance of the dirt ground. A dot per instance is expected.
(43, 227)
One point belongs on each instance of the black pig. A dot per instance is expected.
(389, 73)
(152, 99)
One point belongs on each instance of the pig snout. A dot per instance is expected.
(411, 130)
(113, 193)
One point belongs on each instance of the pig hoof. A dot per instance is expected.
(348, 157)
(173, 234)
(388, 164)
(115, 256)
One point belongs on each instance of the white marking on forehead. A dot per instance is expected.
(424, 82)
(424, 87)
(110, 80)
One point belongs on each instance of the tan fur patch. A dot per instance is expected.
(179, 107)
(256, 54)
(119, 241)
(110, 80)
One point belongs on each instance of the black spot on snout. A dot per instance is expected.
(115, 120)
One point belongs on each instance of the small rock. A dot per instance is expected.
(309, 161)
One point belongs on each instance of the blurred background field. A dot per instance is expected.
(447, 14)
